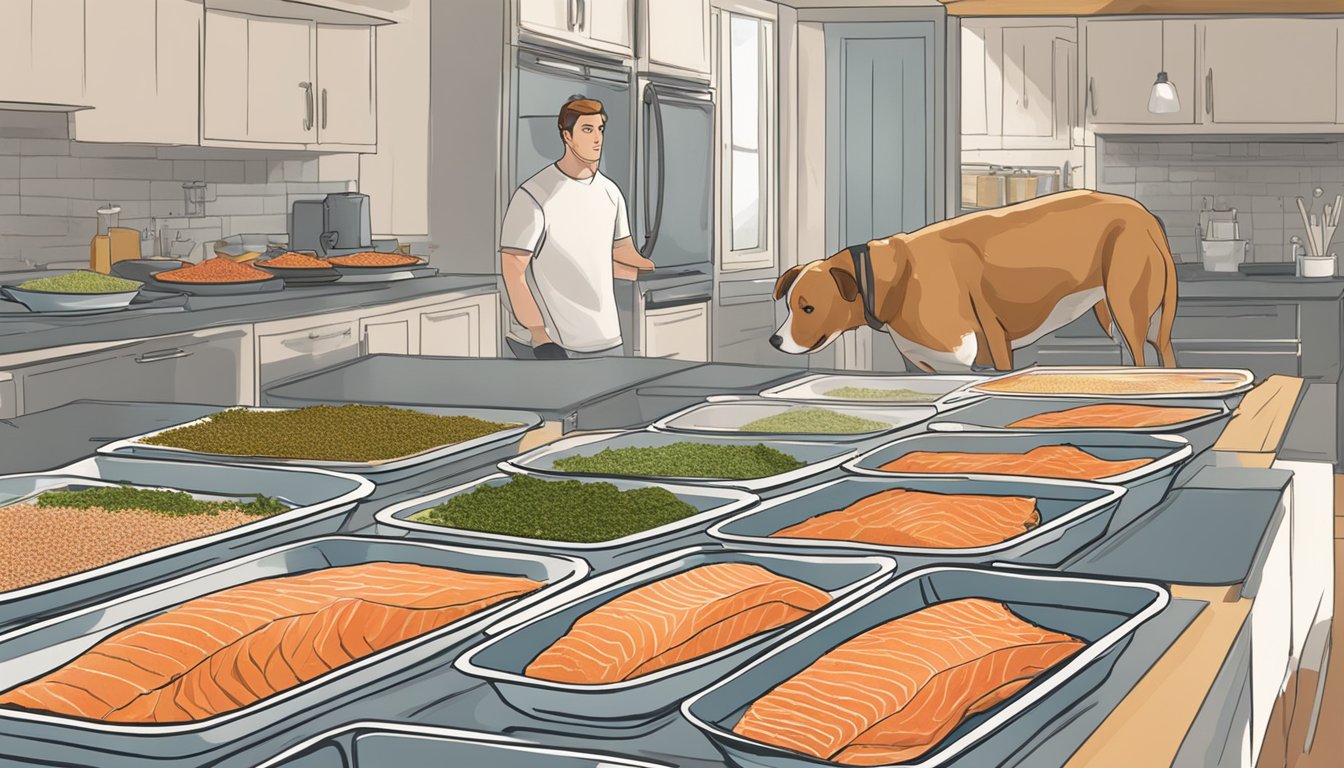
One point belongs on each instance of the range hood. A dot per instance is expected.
(40, 106)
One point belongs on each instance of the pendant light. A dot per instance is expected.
(1163, 99)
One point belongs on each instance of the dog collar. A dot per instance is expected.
(863, 274)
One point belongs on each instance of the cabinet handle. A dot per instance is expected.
(315, 336)
(1025, 101)
(1208, 92)
(1092, 95)
(569, 14)
(307, 105)
(441, 316)
(166, 354)
(583, 11)
(324, 109)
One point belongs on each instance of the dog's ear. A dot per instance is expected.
(849, 287)
(786, 280)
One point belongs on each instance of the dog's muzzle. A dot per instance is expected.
(776, 341)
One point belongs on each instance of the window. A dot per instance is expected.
(747, 113)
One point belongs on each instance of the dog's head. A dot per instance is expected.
(823, 302)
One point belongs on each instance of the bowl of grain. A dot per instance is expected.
(81, 291)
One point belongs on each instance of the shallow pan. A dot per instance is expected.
(48, 301)
(36, 650)
(374, 744)
(814, 388)
(219, 289)
(503, 659)
(349, 269)
(713, 503)
(1073, 515)
(302, 275)
(816, 457)
(385, 469)
(320, 501)
(728, 417)
(1144, 487)
(398, 273)
(994, 414)
(1231, 381)
(1104, 613)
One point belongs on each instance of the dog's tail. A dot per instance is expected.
(1166, 354)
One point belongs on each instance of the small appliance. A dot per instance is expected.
(336, 225)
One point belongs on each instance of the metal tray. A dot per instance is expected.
(503, 659)
(1144, 487)
(713, 503)
(727, 416)
(219, 289)
(355, 687)
(1073, 515)
(1238, 381)
(817, 457)
(813, 388)
(49, 301)
(994, 414)
(397, 273)
(320, 501)
(374, 744)
(350, 269)
(386, 470)
(1105, 613)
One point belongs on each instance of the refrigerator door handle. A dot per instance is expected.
(651, 232)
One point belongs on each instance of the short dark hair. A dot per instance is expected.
(579, 106)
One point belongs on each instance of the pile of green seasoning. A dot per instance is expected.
(899, 394)
(559, 510)
(80, 282)
(813, 421)
(685, 459)
(358, 433)
(171, 503)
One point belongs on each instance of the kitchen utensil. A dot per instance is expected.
(1312, 248)
(1222, 255)
(1318, 266)
(109, 216)
(1222, 230)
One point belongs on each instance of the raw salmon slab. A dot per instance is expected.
(1112, 416)
(230, 649)
(903, 518)
(1058, 461)
(672, 620)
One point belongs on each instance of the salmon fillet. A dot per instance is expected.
(895, 691)
(672, 620)
(1113, 416)
(1113, 383)
(1058, 461)
(902, 518)
(224, 651)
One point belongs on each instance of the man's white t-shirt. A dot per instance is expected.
(569, 226)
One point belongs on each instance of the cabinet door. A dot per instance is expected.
(281, 94)
(678, 33)
(282, 355)
(58, 51)
(549, 16)
(345, 81)
(1123, 59)
(452, 332)
(15, 49)
(1035, 87)
(1270, 70)
(608, 21)
(224, 99)
(975, 69)
(397, 176)
(388, 335)
(681, 333)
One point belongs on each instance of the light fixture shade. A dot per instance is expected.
(1163, 99)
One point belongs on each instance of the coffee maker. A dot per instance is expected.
(336, 225)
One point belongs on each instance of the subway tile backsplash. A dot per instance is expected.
(1261, 179)
(50, 188)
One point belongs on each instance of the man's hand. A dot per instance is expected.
(627, 260)
(623, 272)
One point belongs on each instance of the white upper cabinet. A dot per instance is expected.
(1016, 84)
(42, 51)
(1270, 71)
(307, 85)
(602, 25)
(141, 71)
(397, 175)
(1123, 59)
(675, 34)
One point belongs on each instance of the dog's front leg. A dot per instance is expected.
(995, 337)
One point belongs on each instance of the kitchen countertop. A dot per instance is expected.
(1196, 283)
(24, 332)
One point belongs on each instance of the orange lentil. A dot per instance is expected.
(216, 270)
(371, 259)
(292, 260)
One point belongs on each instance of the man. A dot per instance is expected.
(566, 228)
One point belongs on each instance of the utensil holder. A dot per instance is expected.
(1318, 266)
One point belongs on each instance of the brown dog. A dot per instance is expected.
(968, 291)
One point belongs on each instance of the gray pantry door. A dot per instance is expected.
(880, 128)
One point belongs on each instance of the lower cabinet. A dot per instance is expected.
(9, 396)
(385, 334)
(681, 333)
(211, 368)
(295, 347)
(464, 328)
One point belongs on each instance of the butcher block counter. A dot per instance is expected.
(1215, 679)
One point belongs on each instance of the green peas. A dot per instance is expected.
(814, 421)
(171, 503)
(685, 459)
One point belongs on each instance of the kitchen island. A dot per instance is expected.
(1238, 540)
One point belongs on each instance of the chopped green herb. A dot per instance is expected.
(814, 421)
(685, 459)
(359, 433)
(80, 282)
(172, 503)
(900, 394)
(559, 510)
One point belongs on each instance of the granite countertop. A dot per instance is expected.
(23, 332)
(1196, 283)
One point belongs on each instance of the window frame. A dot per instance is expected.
(765, 254)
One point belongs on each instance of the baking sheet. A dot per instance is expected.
(1238, 381)
(814, 388)
(728, 416)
